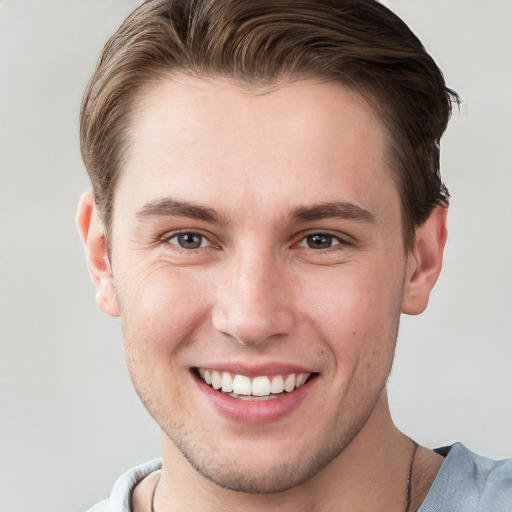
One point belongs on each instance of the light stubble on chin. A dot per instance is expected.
(289, 473)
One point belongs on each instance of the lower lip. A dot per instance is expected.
(255, 412)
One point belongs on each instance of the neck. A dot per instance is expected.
(369, 474)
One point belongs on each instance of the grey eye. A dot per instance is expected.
(319, 241)
(188, 240)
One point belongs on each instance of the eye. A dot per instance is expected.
(188, 240)
(320, 241)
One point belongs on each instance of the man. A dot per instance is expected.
(267, 202)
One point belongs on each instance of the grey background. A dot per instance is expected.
(69, 420)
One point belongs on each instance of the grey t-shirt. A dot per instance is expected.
(466, 482)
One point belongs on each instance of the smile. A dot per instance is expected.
(258, 388)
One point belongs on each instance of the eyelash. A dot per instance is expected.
(302, 240)
(174, 235)
(340, 242)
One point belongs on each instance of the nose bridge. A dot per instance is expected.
(253, 298)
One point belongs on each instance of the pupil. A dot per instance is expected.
(190, 240)
(319, 241)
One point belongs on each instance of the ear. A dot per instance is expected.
(425, 262)
(91, 232)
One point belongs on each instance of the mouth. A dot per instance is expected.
(260, 388)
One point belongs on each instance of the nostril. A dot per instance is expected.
(253, 327)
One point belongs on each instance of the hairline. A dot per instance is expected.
(257, 86)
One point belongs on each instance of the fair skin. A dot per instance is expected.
(258, 233)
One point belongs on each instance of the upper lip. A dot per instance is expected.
(255, 370)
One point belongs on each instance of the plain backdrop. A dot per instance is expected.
(70, 421)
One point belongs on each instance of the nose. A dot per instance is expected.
(253, 301)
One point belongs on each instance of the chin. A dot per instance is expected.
(264, 478)
(264, 467)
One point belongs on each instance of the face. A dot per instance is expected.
(257, 245)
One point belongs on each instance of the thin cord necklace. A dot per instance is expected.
(407, 492)
(409, 478)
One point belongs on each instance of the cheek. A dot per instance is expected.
(356, 310)
(162, 304)
(354, 297)
(161, 311)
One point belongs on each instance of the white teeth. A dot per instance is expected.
(277, 385)
(289, 383)
(259, 388)
(227, 382)
(216, 380)
(251, 398)
(301, 379)
(242, 385)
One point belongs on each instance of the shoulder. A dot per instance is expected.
(120, 496)
(469, 482)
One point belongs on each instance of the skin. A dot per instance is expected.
(257, 291)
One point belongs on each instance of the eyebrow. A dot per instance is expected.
(168, 207)
(173, 208)
(332, 210)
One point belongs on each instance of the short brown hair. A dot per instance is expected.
(359, 44)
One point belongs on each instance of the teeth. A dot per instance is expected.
(242, 385)
(261, 387)
(216, 380)
(289, 383)
(227, 382)
(301, 379)
(251, 398)
(277, 385)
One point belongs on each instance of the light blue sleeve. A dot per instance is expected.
(468, 482)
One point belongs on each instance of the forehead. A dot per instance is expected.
(288, 144)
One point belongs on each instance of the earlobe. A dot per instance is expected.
(91, 232)
(425, 262)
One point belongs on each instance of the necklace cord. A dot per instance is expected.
(409, 478)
